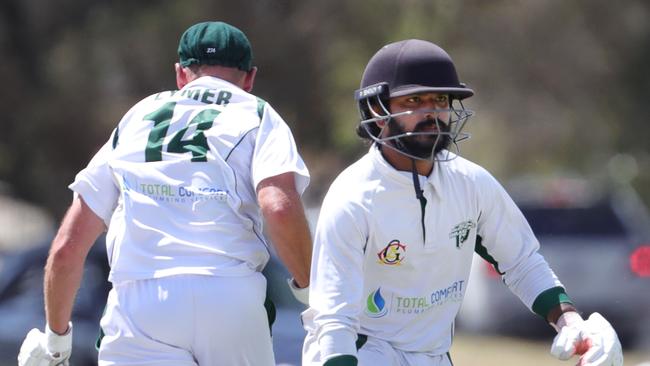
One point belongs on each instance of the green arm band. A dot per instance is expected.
(549, 299)
(342, 360)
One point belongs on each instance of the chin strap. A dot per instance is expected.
(419, 194)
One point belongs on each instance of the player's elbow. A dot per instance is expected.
(280, 208)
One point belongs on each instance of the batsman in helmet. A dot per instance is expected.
(399, 227)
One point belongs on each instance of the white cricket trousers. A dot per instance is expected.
(187, 320)
(376, 352)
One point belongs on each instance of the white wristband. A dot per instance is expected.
(301, 294)
(58, 343)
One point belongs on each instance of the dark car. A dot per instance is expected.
(598, 247)
(21, 302)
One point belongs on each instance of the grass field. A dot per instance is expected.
(472, 350)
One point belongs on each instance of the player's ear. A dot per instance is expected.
(249, 80)
(376, 112)
(181, 75)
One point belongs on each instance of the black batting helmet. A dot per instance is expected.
(414, 66)
(409, 67)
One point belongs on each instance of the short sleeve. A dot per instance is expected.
(96, 185)
(276, 152)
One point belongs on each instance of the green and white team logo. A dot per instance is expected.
(461, 232)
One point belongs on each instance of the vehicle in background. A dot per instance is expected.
(21, 305)
(21, 301)
(598, 244)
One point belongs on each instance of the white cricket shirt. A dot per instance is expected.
(374, 273)
(176, 183)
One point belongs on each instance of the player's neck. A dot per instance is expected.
(404, 163)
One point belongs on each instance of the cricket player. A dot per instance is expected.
(183, 185)
(398, 229)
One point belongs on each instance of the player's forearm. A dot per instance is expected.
(64, 269)
(286, 224)
(63, 276)
(289, 232)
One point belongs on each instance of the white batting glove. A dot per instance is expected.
(301, 294)
(46, 349)
(594, 339)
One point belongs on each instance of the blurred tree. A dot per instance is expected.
(559, 84)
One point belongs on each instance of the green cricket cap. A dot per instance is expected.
(215, 43)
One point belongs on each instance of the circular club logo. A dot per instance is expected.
(392, 254)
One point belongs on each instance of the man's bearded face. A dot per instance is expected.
(424, 146)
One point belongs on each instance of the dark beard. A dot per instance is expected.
(421, 146)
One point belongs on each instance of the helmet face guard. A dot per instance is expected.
(412, 67)
(373, 108)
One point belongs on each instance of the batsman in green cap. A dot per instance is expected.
(182, 187)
